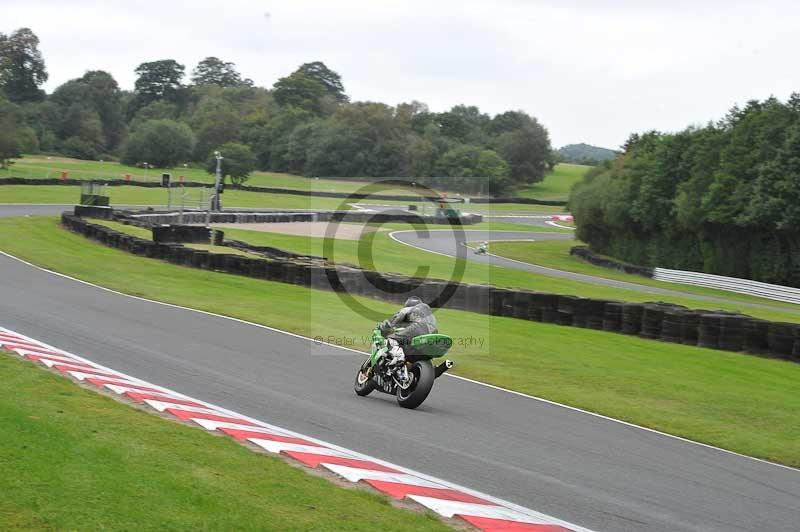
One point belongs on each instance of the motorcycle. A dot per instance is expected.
(410, 382)
(483, 249)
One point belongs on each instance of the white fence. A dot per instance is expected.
(733, 284)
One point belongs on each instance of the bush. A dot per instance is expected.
(238, 161)
(161, 143)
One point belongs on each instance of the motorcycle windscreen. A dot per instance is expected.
(432, 345)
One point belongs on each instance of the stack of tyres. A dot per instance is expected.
(498, 295)
(632, 318)
(732, 333)
(545, 306)
(672, 325)
(652, 317)
(566, 309)
(595, 313)
(580, 312)
(522, 304)
(755, 340)
(612, 316)
(690, 328)
(708, 330)
(479, 298)
(781, 338)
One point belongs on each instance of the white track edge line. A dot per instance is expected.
(362, 353)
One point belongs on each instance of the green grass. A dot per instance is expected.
(555, 254)
(391, 256)
(554, 186)
(557, 184)
(124, 195)
(739, 402)
(39, 166)
(73, 459)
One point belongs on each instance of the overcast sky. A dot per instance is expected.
(591, 71)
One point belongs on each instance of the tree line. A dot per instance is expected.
(304, 124)
(723, 199)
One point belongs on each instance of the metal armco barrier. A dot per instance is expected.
(732, 284)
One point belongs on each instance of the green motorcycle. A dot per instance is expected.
(410, 382)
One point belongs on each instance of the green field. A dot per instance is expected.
(73, 459)
(739, 402)
(41, 166)
(557, 184)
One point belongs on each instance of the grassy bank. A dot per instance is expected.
(557, 184)
(73, 459)
(743, 403)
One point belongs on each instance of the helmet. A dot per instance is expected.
(412, 301)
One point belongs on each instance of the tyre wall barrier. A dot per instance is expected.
(277, 190)
(584, 253)
(197, 217)
(196, 234)
(656, 321)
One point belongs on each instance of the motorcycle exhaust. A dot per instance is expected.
(444, 366)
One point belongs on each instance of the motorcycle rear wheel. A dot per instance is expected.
(363, 385)
(424, 375)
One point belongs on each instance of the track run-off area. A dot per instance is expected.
(585, 469)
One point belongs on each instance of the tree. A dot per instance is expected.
(330, 80)
(237, 163)
(90, 109)
(527, 152)
(157, 80)
(301, 91)
(465, 124)
(22, 68)
(160, 143)
(215, 123)
(9, 147)
(214, 71)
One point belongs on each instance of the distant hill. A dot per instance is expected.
(585, 154)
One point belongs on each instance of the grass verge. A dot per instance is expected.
(73, 459)
(738, 402)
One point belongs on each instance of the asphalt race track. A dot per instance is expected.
(585, 469)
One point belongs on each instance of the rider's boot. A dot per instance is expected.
(396, 353)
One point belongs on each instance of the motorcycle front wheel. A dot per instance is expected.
(363, 385)
(423, 377)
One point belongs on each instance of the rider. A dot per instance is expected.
(415, 319)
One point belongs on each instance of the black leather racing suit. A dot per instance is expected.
(413, 321)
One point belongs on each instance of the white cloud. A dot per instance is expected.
(591, 71)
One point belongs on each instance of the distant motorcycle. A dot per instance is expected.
(483, 249)
(410, 382)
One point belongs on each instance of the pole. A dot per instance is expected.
(217, 181)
